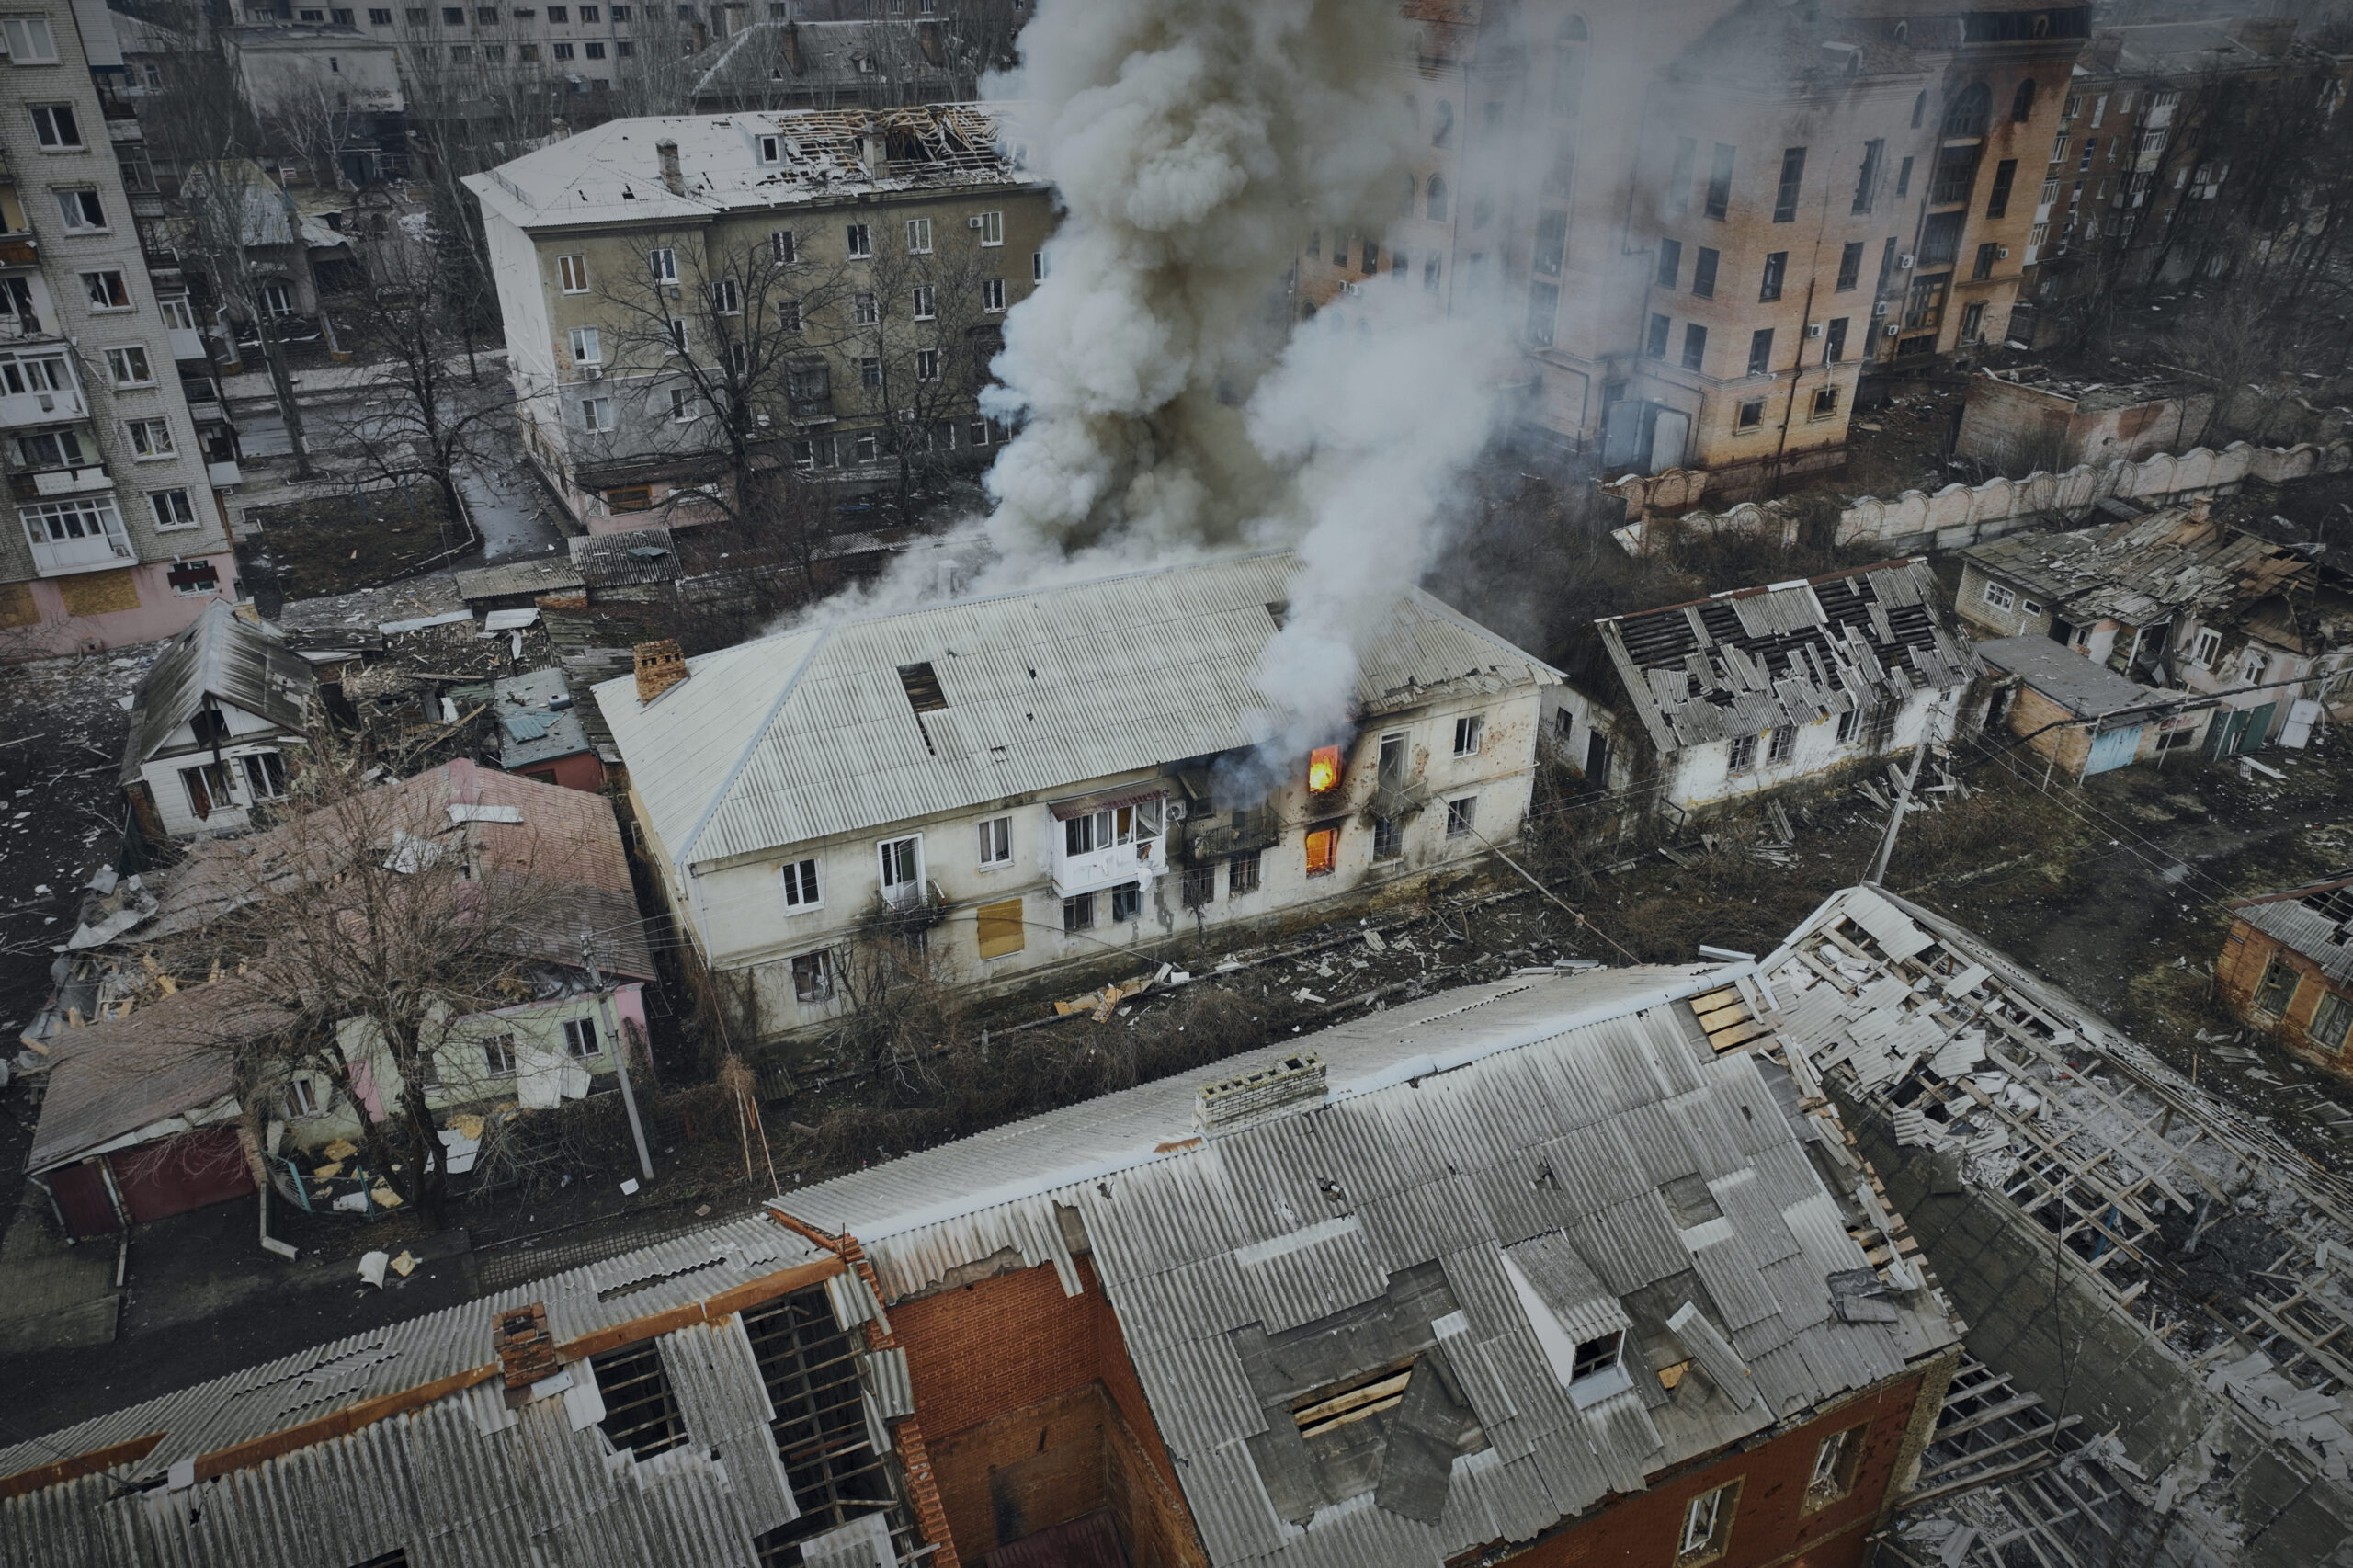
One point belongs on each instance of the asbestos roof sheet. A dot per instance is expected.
(115, 1077)
(538, 720)
(518, 578)
(2316, 921)
(1754, 659)
(624, 560)
(2144, 571)
(810, 733)
(1375, 1216)
(223, 658)
(2081, 686)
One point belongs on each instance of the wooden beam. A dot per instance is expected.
(75, 1466)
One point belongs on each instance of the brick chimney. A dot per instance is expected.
(526, 1348)
(667, 150)
(660, 666)
(1296, 1083)
(788, 42)
(875, 149)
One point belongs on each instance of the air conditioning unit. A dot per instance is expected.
(1814, 331)
(592, 372)
(1892, 329)
(2002, 252)
(1904, 263)
(1175, 811)
(1878, 307)
(973, 222)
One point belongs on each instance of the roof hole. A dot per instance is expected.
(923, 688)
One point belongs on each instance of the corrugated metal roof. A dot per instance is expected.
(1446, 1127)
(226, 658)
(166, 1060)
(1749, 661)
(810, 734)
(2079, 684)
(633, 558)
(2316, 921)
(2144, 571)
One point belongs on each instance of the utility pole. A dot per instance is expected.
(620, 1050)
(1903, 796)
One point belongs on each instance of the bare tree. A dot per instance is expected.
(935, 300)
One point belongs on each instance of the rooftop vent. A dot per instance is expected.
(1294, 1083)
(923, 688)
(667, 150)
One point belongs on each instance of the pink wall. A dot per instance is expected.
(162, 612)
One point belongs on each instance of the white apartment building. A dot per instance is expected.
(120, 537)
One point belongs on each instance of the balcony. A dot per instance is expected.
(1213, 836)
(95, 552)
(20, 409)
(42, 484)
(188, 344)
(200, 389)
(224, 475)
(23, 324)
(19, 250)
(1107, 867)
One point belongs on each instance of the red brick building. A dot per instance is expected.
(2287, 968)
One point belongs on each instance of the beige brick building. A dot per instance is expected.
(691, 302)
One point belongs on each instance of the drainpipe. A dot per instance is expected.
(1797, 375)
(56, 1211)
(114, 1194)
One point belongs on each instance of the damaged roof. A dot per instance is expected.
(1472, 1184)
(2316, 920)
(2145, 569)
(612, 171)
(2082, 685)
(538, 721)
(811, 732)
(622, 559)
(221, 658)
(1752, 659)
(167, 1061)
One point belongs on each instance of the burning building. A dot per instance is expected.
(1055, 777)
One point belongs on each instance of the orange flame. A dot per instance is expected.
(1322, 770)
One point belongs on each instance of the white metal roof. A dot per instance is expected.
(810, 733)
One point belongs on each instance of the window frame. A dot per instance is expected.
(42, 134)
(804, 885)
(995, 842)
(572, 272)
(177, 500)
(1462, 817)
(813, 977)
(992, 228)
(82, 209)
(581, 1029)
(1470, 733)
(858, 242)
(133, 354)
(1722, 1505)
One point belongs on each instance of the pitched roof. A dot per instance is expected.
(2084, 687)
(112, 1078)
(2145, 570)
(227, 658)
(538, 721)
(612, 171)
(2316, 920)
(1753, 659)
(1481, 1180)
(811, 732)
(626, 559)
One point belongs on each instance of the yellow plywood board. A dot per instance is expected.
(16, 606)
(99, 592)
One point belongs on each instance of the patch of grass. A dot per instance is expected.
(336, 544)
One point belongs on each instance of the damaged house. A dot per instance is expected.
(1755, 689)
(1556, 1269)
(2287, 968)
(1045, 780)
(150, 1046)
(2175, 599)
(214, 725)
(2151, 1263)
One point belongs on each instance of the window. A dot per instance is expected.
(1777, 265)
(585, 350)
(1847, 726)
(1785, 195)
(662, 264)
(2091, 145)
(486, 15)
(597, 414)
(2005, 174)
(1956, 172)
(1323, 850)
(1036, 267)
(1825, 403)
(1460, 815)
(1833, 349)
(54, 127)
(1703, 274)
(1430, 270)
(926, 300)
(640, 1413)
(175, 313)
(1925, 309)
(1751, 415)
(2204, 646)
(867, 309)
(129, 368)
(1720, 181)
(2332, 1020)
(173, 509)
(1078, 913)
(623, 49)
(1655, 342)
(1867, 177)
(81, 211)
(1695, 346)
(927, 364)
(1760, 351)
(998, 928)
(1850, 265)
(1543, 305)
(1469, 730)
(1903, 178)
(2000, 596)
(800, 890)
(562, 50)
(813, 977)
(782, 247)
(1127, 902)
(976, 433)
(50, 448)
(580, 1038)
(571, 274)
(1553, 239)
(1436, 198)
(1742, 755)
(1388, 839)
(2022, 102)
(1784, 745)
(996, 842)
(2278, 987)
(1981, 269)
(992, 294)
(726, 299)
(558, 14)
(1972, 107)
(207, 788)
(683, 407)
(870, 373)
(303, 1096)
(1839, 1457)
(593, 50)
(1707, 1526)
(151, 438)
(378, 18)
(1242, 874)
(1201, 886)
(28, 41)
(1594, 1357)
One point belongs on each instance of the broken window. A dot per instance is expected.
(1695, 346)
(1777, 266)
(1459, 817)
(498, 1055)
(1925, 308)
(1543, 305)
(1242, 874)
(1847, 726)
(1127, 902)
(1323, 850)
(1678, 180)
(1552, 238)
(1742, 755)
(1785, 743)
(1388, 839)
(1760, 351)
(1655, 345)
(2278, 987)
(1337, 1406)
(1707, 1526)
(641, 1413)
(1836, 1464)
(997, 928)
(1469, 730)
(813, 977)
(1078, 912)
(997, 841)
(1751, 415)
(580, 1038)
(856, 241)
(302, 1097)
(1201, 886)
(1956, 172)
(1594, 1357)
(1999, 597)
(1834, 342)
(1720, 180)
(208, 788)
(2332, 1020)
(1969, 111)
(1850, 265)
(1904, 179)
(1670, 260)
(1785, 195)
(265, 775)
(2005, 174)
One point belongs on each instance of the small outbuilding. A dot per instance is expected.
(213, 725)
(2077, 713)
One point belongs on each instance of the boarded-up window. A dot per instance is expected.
(635, 498)
(16, 606)
(99, 592)
(1000, 928)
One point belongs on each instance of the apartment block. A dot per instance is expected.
(1704, 245)
(120, 537)
(688, 300)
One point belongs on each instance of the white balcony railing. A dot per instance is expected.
(77, 481)
(40, 407)
(95, 552)
(1107, 867)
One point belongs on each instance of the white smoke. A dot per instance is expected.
(1167, 409)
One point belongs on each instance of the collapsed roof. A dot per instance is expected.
(1750, 660)
(221, 658)
(2144, 571)
(2316, 920)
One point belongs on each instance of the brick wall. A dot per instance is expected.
(2238, 972)
(2069, 748)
